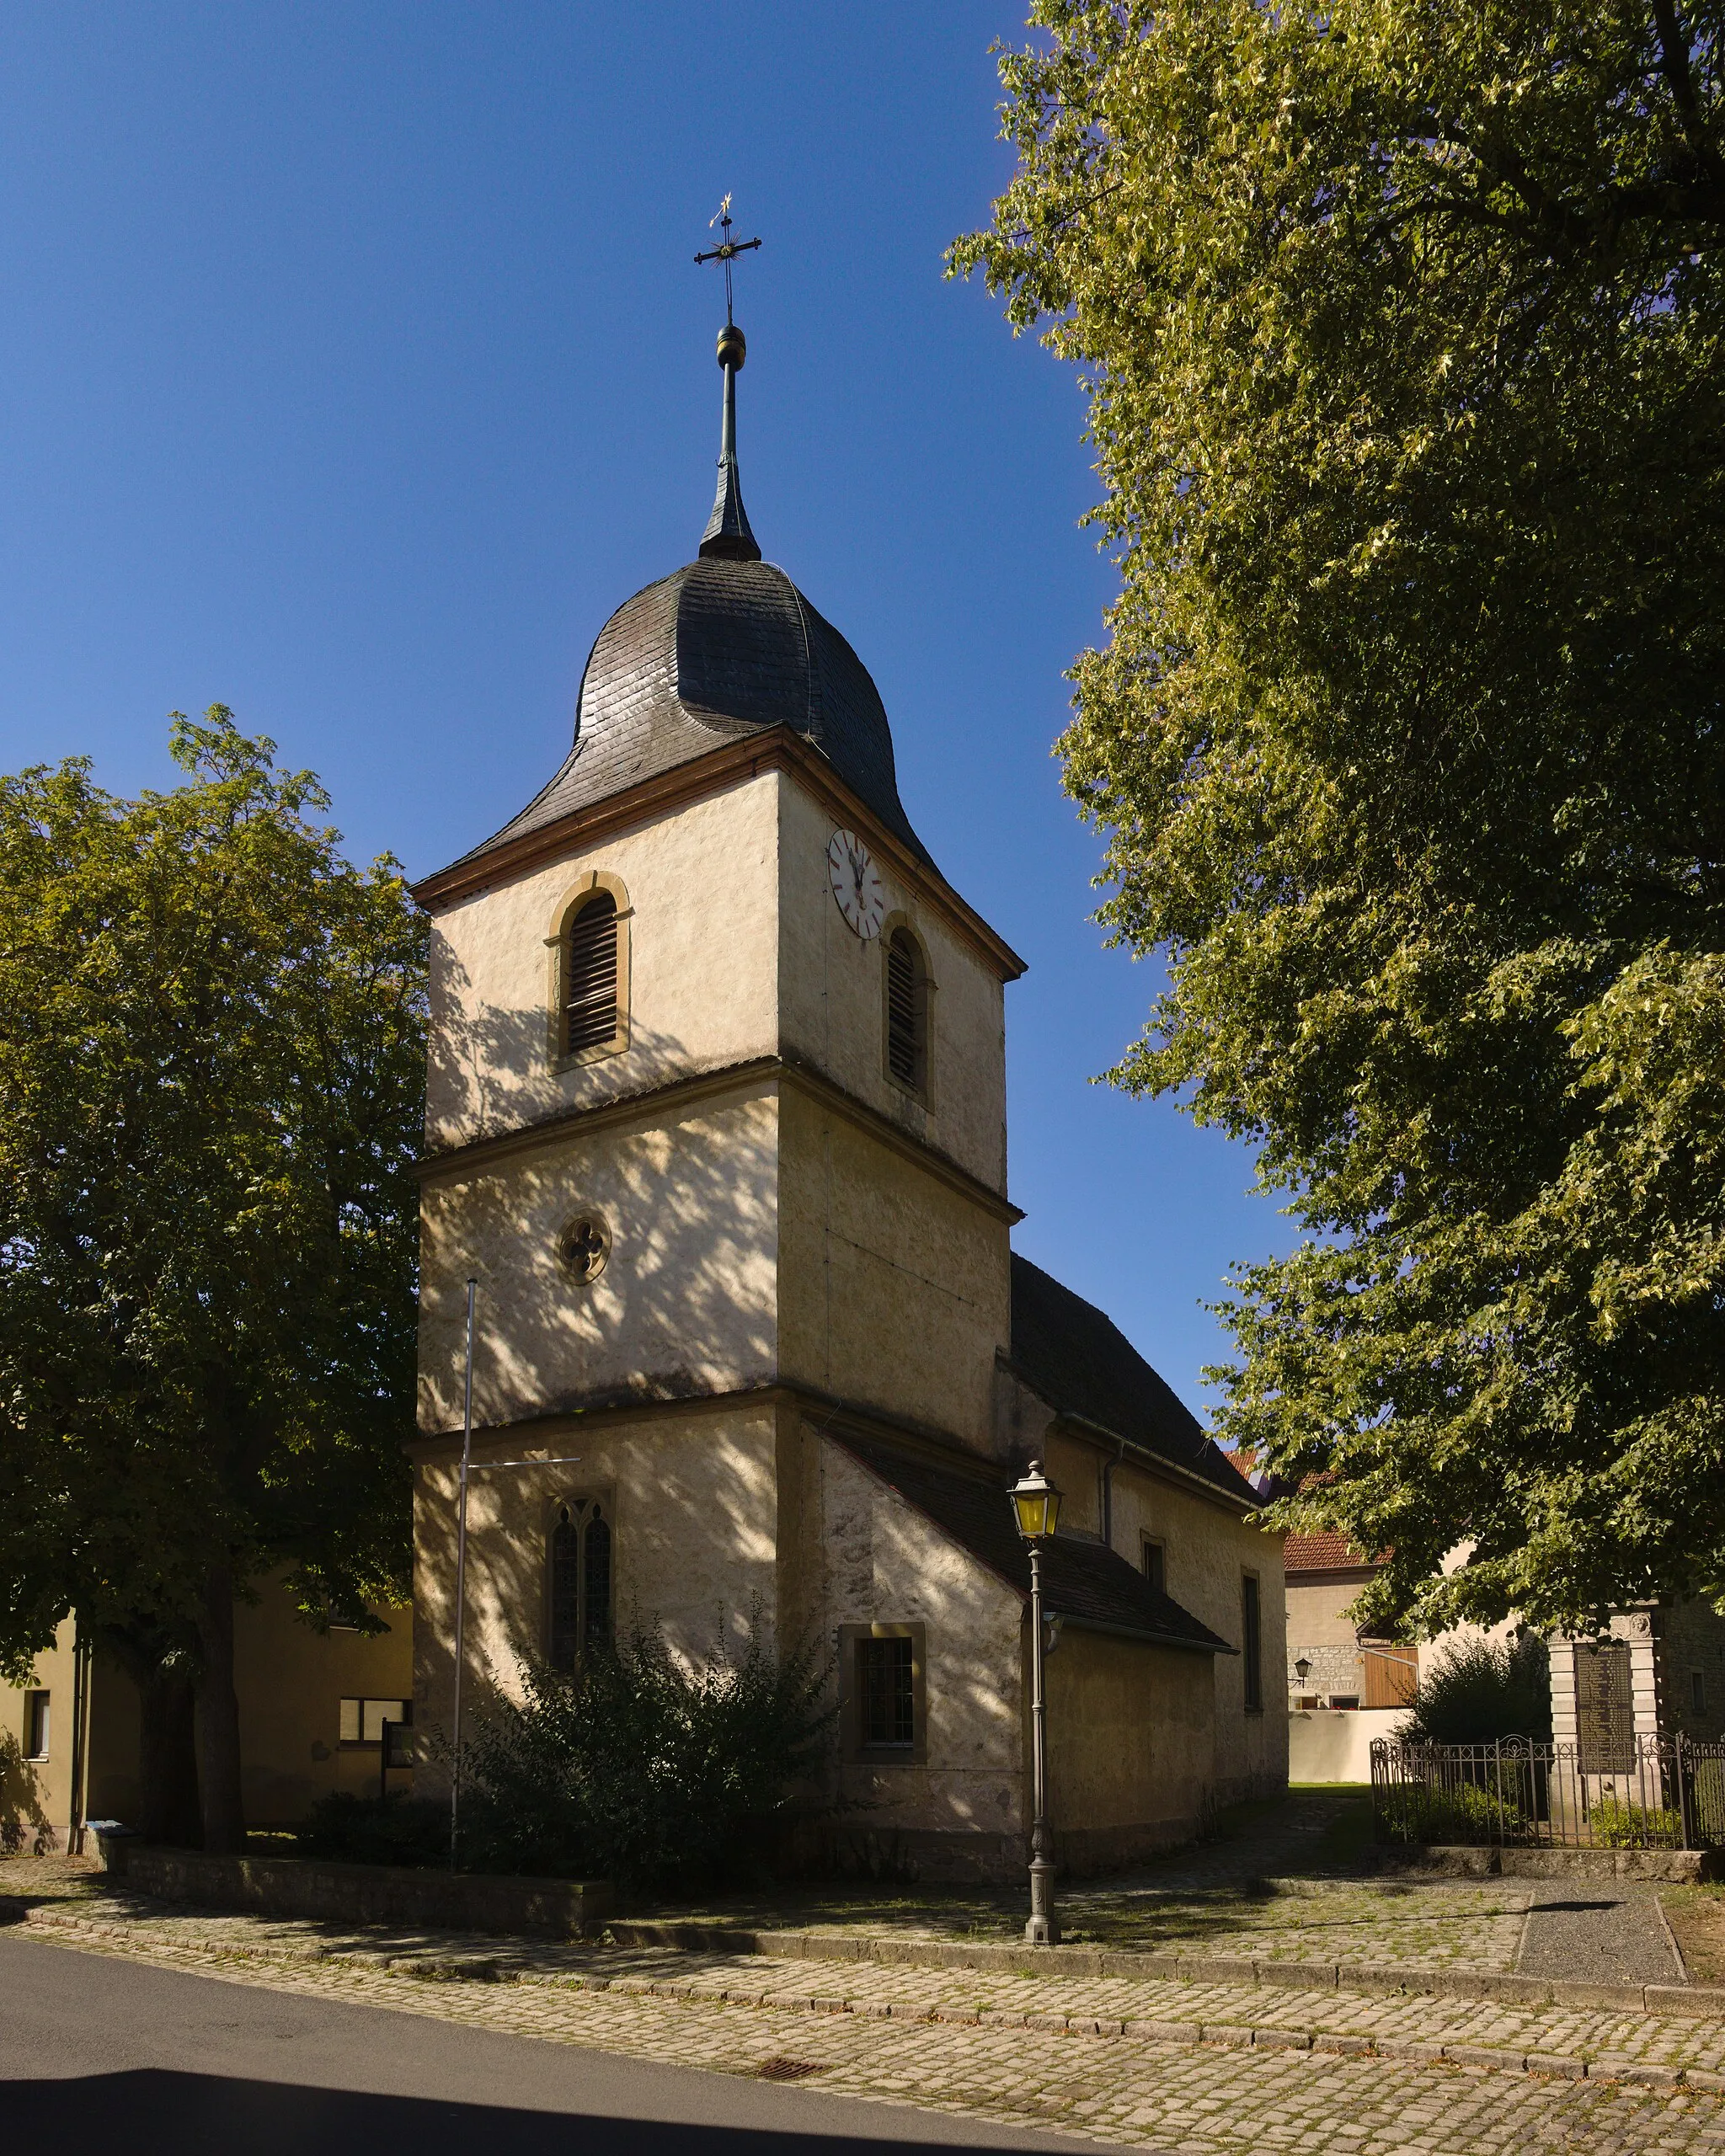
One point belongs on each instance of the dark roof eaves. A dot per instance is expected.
(1211, 1488)
(1213, 1644)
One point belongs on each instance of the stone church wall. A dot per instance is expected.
(691, 1494)
(1130, 1747)
(686, 1302)
(957, 1812)
(701, 885)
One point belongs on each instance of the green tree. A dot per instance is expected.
(1401, 328)
(212, 1056)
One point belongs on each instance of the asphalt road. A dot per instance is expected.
(97, 2054)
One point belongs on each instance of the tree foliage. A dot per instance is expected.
(211, 1040)
(1400, 326)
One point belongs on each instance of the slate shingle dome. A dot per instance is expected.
(721, 648)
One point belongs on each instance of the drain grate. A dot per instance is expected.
(778, 2068)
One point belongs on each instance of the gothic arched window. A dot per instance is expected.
(589, 976)
(906, 1013)
(595, 1586)
(565, 1590)
(579, 1562)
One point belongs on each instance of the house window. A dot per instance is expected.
(906, 1013)
(1698, 1690)
(1251, 1642)
(36, 1724)
(579, 1582)
(882, 1715)
(1155, 1565)
(362, 1720)
(589, 976)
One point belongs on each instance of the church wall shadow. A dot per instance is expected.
(160, 2112)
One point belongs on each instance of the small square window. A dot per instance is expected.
(36, 1724)
(883, 1717)
(1347, 1702)
(1155, 1565)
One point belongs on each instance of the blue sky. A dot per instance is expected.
(354, 367)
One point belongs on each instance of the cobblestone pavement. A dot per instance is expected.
(1212, 2099)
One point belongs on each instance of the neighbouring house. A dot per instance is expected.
(716, 1129)
(312, 1709)
(1661, 1670)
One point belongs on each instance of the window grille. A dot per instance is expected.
(589, 976)
(886, 1694)
(1251, 1642)
(906, 1009)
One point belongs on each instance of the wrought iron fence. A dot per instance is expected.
(1639, 1792)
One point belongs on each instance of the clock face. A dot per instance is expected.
(855, 884)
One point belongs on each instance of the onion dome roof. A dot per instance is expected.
(721, 648)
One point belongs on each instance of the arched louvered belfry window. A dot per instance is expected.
(565, 1590)
(906, 1013)
(589, 976)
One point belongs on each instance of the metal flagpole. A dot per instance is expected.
(460, 1580)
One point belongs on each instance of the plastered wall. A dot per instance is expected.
(1207, 1549)
(833, 990)
(1130, 1746)
(35, 1795)
(894, 1288)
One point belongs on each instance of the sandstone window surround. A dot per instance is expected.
(579, 1569)
(883, 1694)
(588, 988)
(907, 1011)
(1155, 1562)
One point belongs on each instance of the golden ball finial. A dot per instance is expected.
(732, 349)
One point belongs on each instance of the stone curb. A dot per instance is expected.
(1607, 2066)
(1370, 1978)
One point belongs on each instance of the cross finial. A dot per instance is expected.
(727, 251)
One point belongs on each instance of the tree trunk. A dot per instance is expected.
(168, 1761)
(218, 1718)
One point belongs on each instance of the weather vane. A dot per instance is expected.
(727, 251)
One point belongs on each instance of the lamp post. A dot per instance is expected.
(1036, 1507)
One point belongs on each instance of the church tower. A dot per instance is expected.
(717, 1126)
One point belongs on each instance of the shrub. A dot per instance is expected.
(1478, 1692)
(639, 1770)
(1457, 1811)
(393, 1829)
(1617, 1824)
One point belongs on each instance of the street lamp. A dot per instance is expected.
(1036, 1508)
(1302, 1669)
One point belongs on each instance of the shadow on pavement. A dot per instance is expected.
(188, 2114)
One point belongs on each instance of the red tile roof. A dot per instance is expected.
(1323, 1553)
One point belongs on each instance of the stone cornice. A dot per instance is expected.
(483, 1153)
(779, 749)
